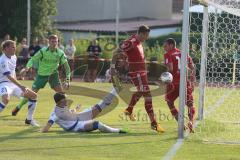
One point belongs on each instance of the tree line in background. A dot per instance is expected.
(13, 18)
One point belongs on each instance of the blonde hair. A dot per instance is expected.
(53, 36)
(7, 43)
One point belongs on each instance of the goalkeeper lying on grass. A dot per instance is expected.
(70, 120)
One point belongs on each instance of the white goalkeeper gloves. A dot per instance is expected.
(66, 84)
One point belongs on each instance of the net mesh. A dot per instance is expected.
(229, 6)
(222, 105)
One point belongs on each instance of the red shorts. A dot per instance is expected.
(172, 92)
(140, 81)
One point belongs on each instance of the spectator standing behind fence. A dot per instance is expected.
(23, 54)
(43, 42)
(34, 48)
(60, 46)
(6, 37)
(70, 52)
(23, 49)
(70, 49)
(94, 52)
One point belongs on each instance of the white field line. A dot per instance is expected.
(173, 150)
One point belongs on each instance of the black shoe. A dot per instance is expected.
(122, 131)
(15, 111)
(31, 122)
(27, 121)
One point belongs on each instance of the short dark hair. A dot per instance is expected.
(170, 41)
(143, 29)
(59, 96)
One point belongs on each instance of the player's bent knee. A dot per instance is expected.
(30, 94)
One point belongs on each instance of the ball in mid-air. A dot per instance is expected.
(166, 77)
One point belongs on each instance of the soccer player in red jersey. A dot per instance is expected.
(133, 49)
(172, 59)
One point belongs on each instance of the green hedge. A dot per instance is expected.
(80, 65)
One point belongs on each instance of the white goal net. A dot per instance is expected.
(214, 36)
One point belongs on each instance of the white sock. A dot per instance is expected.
(107, 100)
(104, 128)
(2, 106)
(31, 108)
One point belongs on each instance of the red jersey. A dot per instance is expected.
(134, 51)
(174, 57)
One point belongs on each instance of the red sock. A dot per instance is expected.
(129, 109)
(135, 97)
(174, 112)
(149, 109)
(191, 113)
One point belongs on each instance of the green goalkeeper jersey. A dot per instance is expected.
(49, 61)
(30, 64)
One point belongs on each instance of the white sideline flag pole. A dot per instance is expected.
(183, 69)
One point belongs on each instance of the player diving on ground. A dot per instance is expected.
(83, 121)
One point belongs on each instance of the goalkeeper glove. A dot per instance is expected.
(66, 84)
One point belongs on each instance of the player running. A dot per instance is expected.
(80, 122)
(133, 49)
(8, 82)
(172, 59)
(48, 60)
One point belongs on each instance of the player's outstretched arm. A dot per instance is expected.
(66, 83)
(26, 69)
(46, 127)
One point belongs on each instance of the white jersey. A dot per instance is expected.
(65, 124)
(7, 67)
(67, 119)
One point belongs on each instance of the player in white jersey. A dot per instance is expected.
(80, 122)
(9, 86)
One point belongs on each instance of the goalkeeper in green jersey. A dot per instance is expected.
(48, 59)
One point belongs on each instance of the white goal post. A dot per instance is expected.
(213, 34)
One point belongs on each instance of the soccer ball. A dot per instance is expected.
(166, 77)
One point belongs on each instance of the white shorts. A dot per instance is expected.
(80, 126)
(10, 89)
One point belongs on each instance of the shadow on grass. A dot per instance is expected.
(17, 135)
(86, 145)
(59, 134)
(6, 117)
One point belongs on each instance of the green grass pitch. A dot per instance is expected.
(20, 142)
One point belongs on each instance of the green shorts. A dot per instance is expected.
(41, 81)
